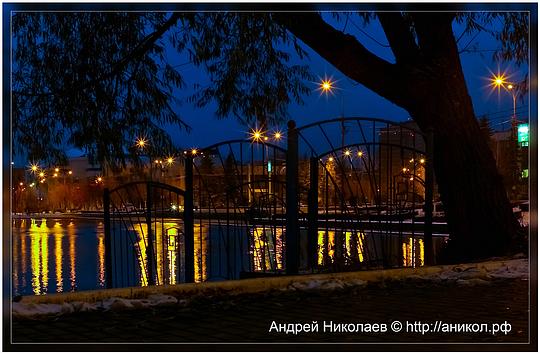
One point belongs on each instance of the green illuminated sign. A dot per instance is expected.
(523, 134)
(269, 166)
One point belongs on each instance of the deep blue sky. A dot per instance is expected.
(350, 99)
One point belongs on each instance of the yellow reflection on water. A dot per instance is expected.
(354, 246)
(101, 254)
(167, 237)
(201, 239)
(45, 258)
(142, 241)
(72, 254)
(413, 252)
(326, 246)
(267, 255)
(39, 256)
(58, 235)
(172, 247)
(23, 258)
(16, 263)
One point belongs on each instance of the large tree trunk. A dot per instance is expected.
(427, 80)
(478, 212)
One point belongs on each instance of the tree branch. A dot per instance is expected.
(434, 31)
(347, 54)
(399, 36)
(144, 46)
(117, 67)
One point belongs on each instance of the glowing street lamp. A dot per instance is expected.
(326, 86)
(141, 143)
(34, 168)
(42, 174)
(499, 81)
(277, 135)
(256, 135)
(170, 160)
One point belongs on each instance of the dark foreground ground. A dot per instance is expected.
(248, 318)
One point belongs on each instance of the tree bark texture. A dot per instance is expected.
(427, 80)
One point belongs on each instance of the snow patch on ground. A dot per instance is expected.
(112, 304)
(322, 284)
(461, 275)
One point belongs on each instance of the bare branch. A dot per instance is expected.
(346, 54)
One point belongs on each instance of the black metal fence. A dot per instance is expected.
(145, 243)
(341, 194)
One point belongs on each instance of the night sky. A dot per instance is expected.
(350, 99)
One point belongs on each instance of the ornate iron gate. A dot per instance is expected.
(239, 193)
(370, 193)
(146, 235)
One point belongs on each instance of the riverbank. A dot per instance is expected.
(461, 274)
(244, 311)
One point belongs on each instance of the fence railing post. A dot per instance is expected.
(189, 241)
(428, 206)
(150, 256)
(313, 212)
(108, 238)
(292, 253)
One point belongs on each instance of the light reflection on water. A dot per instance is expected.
(167, 239)
(57, 256)
(64, 255)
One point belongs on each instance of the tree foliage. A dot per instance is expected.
(98, 80)
(91, 80)
(246, 57)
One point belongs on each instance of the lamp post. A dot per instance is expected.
(499, 81)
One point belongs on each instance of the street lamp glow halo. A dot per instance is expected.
(326, 85)
(257, 135)
(34, 167)
(141, 142)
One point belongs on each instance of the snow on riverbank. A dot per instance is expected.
(461, 275)
(30, 309)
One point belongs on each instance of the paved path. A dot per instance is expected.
(248, 318)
